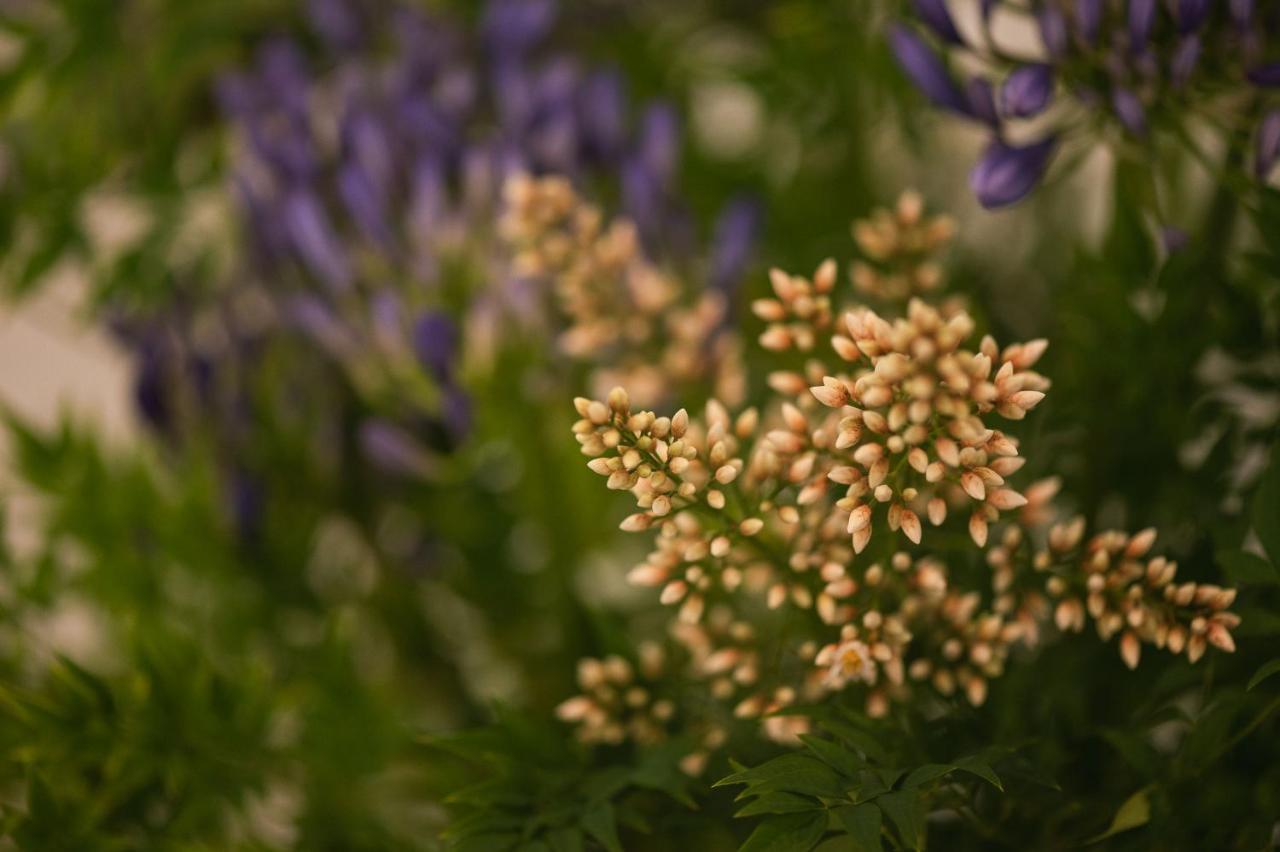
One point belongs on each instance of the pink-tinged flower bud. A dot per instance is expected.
(1130, 650)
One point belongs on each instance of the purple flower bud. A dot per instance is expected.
(1006, 173)
(1267, 75)
(1027, 90)
(364, 203)
(151, 386)
(552, 144)
(246, 504)
(316, 320)
(982, 101)
(1173, 239)
(936, 17)
(1142, 17)
(1129, 109)
(365, 141)
(1241, 12)
(337, 22)
(1183, 62)
(1053, 31)
(283, 74)
(1191, 14)
(658, 145)
(236, 94)
(313, 239)
(394, 450)
(642, 197)
(1089, 19)
(455, 91)
(435, 342)
(926, 70)
(385, 313)
(732, 242)
(456, 412)
(602, 113)
(511, 27)
(428, 201)
(1267, 148)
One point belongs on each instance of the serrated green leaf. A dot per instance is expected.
(862, 822)
(790, 833)
(834, 755)
(860, 739)
(906, 811)
(1267, 670)
(982, 769)
(792, 773)
(601, 824)
(869, 785)
(778, 803)
(924, 774)
(1135, 812)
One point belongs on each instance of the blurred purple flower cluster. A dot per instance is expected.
(369, 162)
(1144, 64)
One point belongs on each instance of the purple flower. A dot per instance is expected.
(1267, 145)
(394, 450)
(511, 27)
(658, 146)
(1184, 59)
(1241, 12)
(1053, 31)
(731, 244)
(926, 70)
(1191, 14)
(936, 17)
(982, 101)
(316, 320)
(313, 238)
(1142, 17)
(1089, 19)
(364, 202)
(1027, 90)
(1173, 239)
(1129, 109)
(602, 114)
(337, 22)
(1006, 173)
(435, 341)
(1267, 75)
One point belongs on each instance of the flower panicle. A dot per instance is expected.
(1112, 579)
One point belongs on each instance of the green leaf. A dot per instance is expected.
(1267, 670)
(601, 824)
(906, 812)
(565, 839)
(790, 833)
(975, 765)
(924, 774)
(863, 824)
(778, 803)
(792, 773)
(1135, 812)
(1266, 510)
(862, 740)
(834, 755)
(1247, 569)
